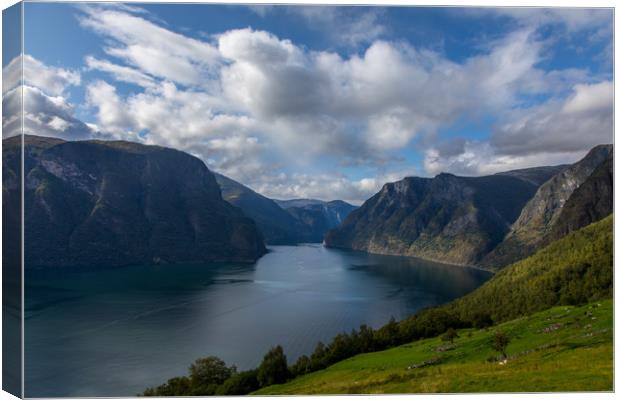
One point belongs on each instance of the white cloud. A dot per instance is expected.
(43, 115)
(480, 158)
(250, 103)
(390, 130)
(591, 98)
(353, 26)
(112, 114)
(58, 123)
(577, 123)
(553, 132)
(574, 19)
(41, 92)
(151, 48)
(119, 72)
(51, 80)
(324, 186)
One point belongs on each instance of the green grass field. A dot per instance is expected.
(561, 349)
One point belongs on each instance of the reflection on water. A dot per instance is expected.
(114, 332)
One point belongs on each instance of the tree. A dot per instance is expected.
(388, 334)
(481, 320)
(302, 366)
(207, 373)
(450, 335)
(500, 342)
(318, 357)
(273, 369)
(179, 386)
(242, 383)
(366, 339)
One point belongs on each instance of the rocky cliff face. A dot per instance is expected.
(96, 203)
(447, 218)
(590, 202)
(538, 218)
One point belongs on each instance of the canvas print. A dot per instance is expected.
(228, 199)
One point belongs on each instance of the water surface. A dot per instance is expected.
(115, 332)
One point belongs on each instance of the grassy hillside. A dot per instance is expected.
(573, 270)
(565, 348)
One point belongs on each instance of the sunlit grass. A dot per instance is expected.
(561, 349)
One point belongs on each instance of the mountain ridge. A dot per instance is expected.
(447, 218)
(118, 203)
(539, 216)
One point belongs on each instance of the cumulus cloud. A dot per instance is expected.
(40, 89)
(112, 114)
(265, 110)
(43, 115)
(553, 132)
(51, 80)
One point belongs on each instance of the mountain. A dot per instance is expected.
(590, 202)
(285, 222)
(537, 175)
(276, 225)
(317, 216)
(545, 210)
(447, 218)
(113, 203)
(299, 203)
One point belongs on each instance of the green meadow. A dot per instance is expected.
(565, 348)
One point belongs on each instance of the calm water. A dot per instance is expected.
(115, 332)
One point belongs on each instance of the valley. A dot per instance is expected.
(544, 232)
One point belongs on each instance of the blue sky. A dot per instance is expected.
(324, 102)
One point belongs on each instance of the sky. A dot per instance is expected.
(320, 101)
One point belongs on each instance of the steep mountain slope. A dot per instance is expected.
(99, 203)
(575, 269)
(590, 202)
(536, 175)
(276, 225)
(317, 216)
(543, 211)
(447, 218)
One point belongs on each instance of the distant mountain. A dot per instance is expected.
(300, 203)
(447, 218)
(318, 216)
(113, 203)
(553, 211)
(276, 225)
(285, 221)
